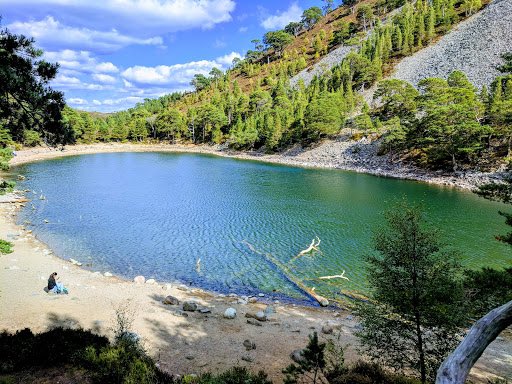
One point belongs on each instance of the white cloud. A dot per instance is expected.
(66, 80)
(77, 101)
(110, 24)
(281, 19)
(107, 68)
(243, 29)
(106, 79)
(227, 60)
(50, 32)
(176, 74)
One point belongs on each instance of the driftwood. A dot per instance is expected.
(342, 276)
(312, 247)
(456, 367)
(290, 276)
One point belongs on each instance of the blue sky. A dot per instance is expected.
(115, 53)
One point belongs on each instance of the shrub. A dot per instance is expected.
(31, 138)
(49, 349)
(5, 247)
(6, 186)
(235, 375)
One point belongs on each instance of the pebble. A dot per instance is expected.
(261, 295)
(171, 300)
(247, 358)
(189, 306)
(241, 301)
(150, 281)
(139, 279)
(260, 315)
(252, 300)
(107, 274)
(230, 313)
(254, 322)
(330, 326)
(249, 345)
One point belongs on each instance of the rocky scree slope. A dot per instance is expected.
(474, 46)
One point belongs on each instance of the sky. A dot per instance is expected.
(115, 53)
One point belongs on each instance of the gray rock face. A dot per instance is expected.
(171, 300)
(189, 306)
(230, 313)
(474, 46)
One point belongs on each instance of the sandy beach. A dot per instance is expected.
(181, 342)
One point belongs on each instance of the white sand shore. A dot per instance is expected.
(192, 344)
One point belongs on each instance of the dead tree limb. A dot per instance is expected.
(342, 276)
(290, 276)
(456, 367)
(312, 247)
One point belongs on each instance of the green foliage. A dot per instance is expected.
(235, 375)
(311, 368)
(31, 138)
(5, 247)
(5, 156)
(277, 40)
(324, 115)
(487, 288)
(48, 349)
(369, 373)
(26, 100)
(311, 16)
(6, 186)
(415, 312)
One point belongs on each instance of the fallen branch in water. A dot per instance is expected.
(342, 276)
(289, 275)
(312, 247)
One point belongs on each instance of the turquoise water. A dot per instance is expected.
(156, 214)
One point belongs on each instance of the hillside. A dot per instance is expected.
(474, 46)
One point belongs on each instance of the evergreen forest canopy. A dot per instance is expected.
(443, 124)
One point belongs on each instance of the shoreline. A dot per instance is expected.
(344, 155)
(181, 342)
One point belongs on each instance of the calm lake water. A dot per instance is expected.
(156, 214)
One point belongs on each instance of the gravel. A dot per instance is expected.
(474, 46)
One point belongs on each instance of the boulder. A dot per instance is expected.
(260, 315)
(139, 279)
(230, 313)
(171, 300)
(252, 300)
(189, 306)
(297, 355)
(330, 326)
(249, 345)
(150, 281)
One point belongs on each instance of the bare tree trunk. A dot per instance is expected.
(456, 367)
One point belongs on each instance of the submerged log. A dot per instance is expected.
(456, 367)
(290, 276)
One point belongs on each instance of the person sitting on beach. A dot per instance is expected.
(54, 286)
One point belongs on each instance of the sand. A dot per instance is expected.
(180, 344)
